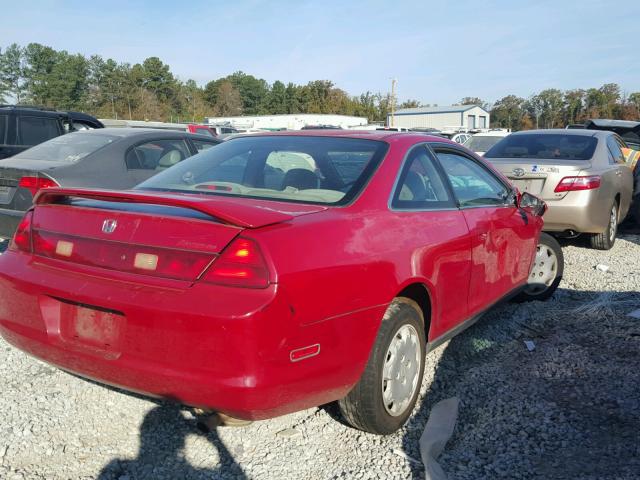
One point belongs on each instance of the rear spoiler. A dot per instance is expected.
(241, 214)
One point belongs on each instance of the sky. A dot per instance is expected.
(439, 51)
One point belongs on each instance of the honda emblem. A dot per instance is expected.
(109, 225)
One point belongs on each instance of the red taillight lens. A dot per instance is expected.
(570, 184)
(22, 238)
(241, 264)
(33, 184)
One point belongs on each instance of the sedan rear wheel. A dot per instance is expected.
(384, 397)
(546, 271)
(606, 239)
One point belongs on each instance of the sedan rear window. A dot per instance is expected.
(545, 146)
(325, 170)
(481, 143)
(68, 148)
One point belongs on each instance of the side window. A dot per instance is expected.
(472, 184)
(202, 145)
(420, 186)
(35, 130)
(3, 128)
(156, 155)
(616, 151)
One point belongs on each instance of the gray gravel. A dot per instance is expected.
(568, 409)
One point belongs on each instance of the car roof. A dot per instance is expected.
(607, 123)
(142, 133)
(363, 134)
(563, 131)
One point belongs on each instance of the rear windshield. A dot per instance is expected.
(545, 146)
(67, 148)
(481, 143)
(288, 168)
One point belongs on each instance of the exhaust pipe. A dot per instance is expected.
(208, 420)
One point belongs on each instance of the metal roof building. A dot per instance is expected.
(456, 116)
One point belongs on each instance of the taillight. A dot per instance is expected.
(570, 184)
(33, 184)
(22, 238)
(241, 264)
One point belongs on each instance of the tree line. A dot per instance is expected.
(40, 75)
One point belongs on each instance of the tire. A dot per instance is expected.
(606, 239)
(366, 407)
(546, 271)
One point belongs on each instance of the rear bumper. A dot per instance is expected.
(582, 211)
(9, 220)
(221, 348)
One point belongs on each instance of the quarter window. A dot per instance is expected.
(156, 155)
(420, 185)
(472, 183)
(615, 150)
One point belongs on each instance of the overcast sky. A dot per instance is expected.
(439, 51)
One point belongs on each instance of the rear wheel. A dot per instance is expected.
(606, 239)
(546, 271)
(386, 394)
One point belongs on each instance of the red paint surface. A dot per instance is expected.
(332, 273)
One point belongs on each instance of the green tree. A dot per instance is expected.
(277, 98)
(574, 106)
(39, 63)
(410, 104)
(507, 112)
(474, 101)
(12, 79)
(292, 98)
(229, 101)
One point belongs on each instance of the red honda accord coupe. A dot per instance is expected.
(275, 273)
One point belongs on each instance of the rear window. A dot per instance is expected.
(67, 148)
(481, 143)
(287, 168)
(35, 130)
(545, 146)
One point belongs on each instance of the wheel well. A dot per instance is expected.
(419, 294)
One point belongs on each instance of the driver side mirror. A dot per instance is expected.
(532, 204)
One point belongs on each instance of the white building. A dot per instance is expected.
(456, 116)
(290, 122)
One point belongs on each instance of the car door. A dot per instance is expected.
(503, 237)
(152, 156)
(623, 174)
(434, 231)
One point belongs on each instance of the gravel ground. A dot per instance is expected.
(568, 409)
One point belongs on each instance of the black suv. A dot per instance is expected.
(24, 126)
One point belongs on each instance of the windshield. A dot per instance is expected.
(290, 168)
(481, 143)
(67, 148)
(545, 146)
